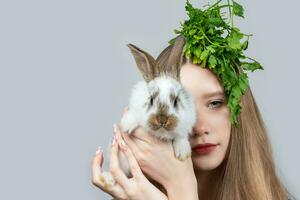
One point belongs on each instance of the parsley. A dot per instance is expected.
(213, 41)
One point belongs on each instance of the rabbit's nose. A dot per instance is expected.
(162, 119)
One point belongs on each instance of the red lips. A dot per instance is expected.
(204, 145)
(204, 148)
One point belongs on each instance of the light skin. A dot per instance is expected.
(156, 158)
(212, 126)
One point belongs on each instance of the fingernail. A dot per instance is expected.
(115, 128)
(113, 141)
(123, 145)
(99, 150)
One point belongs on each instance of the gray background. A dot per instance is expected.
(66, 73)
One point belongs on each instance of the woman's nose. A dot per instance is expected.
(201, 126)
(199, 131)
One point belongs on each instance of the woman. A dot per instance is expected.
(239, 166)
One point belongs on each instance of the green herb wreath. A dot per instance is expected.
(213, 42)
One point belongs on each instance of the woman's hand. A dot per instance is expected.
(135, 188)
(157, 159)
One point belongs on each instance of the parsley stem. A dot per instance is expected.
(251, 59)
(237, 66)
(210, 40)
(214, 4)
(248, 35)
(224, 6)
(230, 12)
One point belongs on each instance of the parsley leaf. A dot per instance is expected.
(238, 10)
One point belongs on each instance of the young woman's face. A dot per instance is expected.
(213, 122)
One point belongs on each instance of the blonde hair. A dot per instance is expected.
(249, 171)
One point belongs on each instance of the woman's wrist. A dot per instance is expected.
(183, 189)
(150, 192)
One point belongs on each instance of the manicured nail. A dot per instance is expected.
(113, 140)
(115, 128)
(99, 150)
(122, 144)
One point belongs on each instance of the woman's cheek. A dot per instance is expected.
(220, 122)
(222, 125)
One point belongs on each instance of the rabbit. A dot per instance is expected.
(159, 103)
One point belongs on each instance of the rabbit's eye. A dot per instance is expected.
(151, 101)
(176, 102)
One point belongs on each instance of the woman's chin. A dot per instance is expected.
(205, 164)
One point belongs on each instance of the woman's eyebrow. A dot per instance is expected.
(212, 94)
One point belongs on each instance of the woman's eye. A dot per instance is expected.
(216, 104)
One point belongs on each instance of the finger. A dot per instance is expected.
(141, 143)
(97, 162)
(131, 143)
(97, 177)
(114, 167)
(99, 155)
(133, 164)
(141, 135)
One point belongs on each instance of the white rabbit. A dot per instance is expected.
(160, 104)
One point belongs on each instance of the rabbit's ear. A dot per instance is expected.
(145, 62)
(170, 59)
(163, 57)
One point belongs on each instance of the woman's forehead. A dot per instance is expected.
(200, 81)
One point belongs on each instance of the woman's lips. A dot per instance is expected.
(204, 148)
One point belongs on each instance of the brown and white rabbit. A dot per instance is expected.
(160, 104)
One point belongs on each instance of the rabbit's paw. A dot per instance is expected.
(182, 149)
(128, 123)
(107, 179)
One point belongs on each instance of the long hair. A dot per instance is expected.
(248, 170)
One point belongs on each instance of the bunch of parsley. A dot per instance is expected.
(212, 41)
